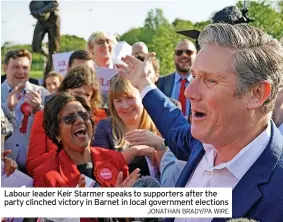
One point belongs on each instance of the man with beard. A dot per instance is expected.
(174, 85)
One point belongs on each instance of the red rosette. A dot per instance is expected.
(26, 109)
(106, 174)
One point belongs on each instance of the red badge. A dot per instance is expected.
(26, 109)
(106, 174)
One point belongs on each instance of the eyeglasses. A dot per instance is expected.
(103, 41)
(71, 118)
(180, 52)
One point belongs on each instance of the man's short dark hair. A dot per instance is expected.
(14, 54)
(80, 55)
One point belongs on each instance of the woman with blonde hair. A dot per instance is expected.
(127, 115)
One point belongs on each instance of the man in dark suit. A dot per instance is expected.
(232, 141)
(173, 85)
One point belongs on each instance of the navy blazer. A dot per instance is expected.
(258, 195)
(166, 83)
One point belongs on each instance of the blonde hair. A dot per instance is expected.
(121, 87)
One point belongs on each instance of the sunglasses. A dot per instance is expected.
(71, 118)
(180, 52)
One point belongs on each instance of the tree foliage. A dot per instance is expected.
(267, 16)
(161, 37)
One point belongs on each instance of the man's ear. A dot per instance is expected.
(259, 95)
(68, 69)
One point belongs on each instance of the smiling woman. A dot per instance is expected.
(128, 115)
(68, 123)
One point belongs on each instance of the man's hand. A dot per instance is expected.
(9, 165)
(34, 99)
(144, 137)
(15, 96)
(129, 181)
(139, 73)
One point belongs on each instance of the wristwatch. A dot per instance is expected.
(164, 145)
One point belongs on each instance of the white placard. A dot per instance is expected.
(60, 62)
(104, 75)
(17, 179)
(122, 49)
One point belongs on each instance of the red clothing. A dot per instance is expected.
(60, 171)
(41, 148)
(99, 115)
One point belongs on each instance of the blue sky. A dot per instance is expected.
(81, 18)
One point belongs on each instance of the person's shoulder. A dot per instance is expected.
(105, 153)
(167, 76)
(49, 165)
(106, 123)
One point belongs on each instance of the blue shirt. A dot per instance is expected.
(176, 90)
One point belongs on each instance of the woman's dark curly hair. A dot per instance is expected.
(52, 110)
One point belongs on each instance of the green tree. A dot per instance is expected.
(181, 24)
(71, 42)
(266, 16)
(155, 18)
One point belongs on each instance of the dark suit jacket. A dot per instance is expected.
(165, 84)
(31, 80)
(61, 171)
(258, 195)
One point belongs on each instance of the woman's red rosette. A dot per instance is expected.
(106, 174)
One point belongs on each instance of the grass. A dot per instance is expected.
(36, 74)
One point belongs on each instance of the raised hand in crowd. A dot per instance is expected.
(9, 165)
(139, 73)
(15, 96)
(145, 137)
(129, 181)
(34, 99)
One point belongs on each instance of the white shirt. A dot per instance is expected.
(281, 128)
(225, 174)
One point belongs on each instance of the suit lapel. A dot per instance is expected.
(196, 155)
(168, 84)
(248, 191)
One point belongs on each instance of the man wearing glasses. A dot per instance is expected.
(174, 85)
(101, 45)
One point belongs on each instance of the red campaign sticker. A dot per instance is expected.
(106, 173)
